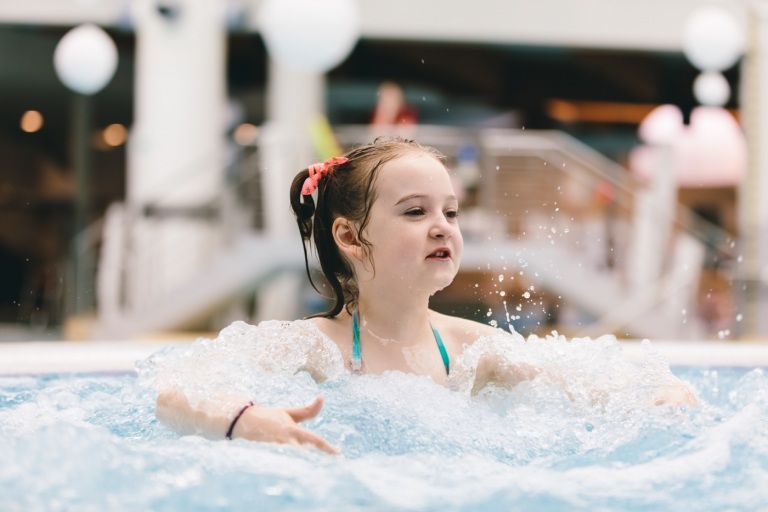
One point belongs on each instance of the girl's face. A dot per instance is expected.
(413, 225)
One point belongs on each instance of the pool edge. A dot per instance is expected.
(37, 357)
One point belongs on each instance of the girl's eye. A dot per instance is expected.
(415, 211)
(452, 214)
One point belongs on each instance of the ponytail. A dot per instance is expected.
(319, 226)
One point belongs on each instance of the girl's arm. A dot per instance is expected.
(194, 383)
(493, 369)
(213, 419)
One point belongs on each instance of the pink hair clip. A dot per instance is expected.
(319, 171)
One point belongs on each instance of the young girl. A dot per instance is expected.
(385, 228)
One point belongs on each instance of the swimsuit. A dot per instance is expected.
(357, 364)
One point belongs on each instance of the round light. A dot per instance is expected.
(711, 89)
(31, 121)
(85, 59)
(712, 39)
(309, 35)
(114, 135)
(246, 134)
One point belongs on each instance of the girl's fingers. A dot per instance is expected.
(276, 427)
(304, 436)
(307, 412)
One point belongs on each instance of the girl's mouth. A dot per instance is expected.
(440, 254)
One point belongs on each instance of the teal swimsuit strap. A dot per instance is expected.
(443, 351)
(357, 364)
(356, 359)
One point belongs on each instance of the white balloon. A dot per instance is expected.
(711, 89)
(85, 59)
(715, 152)
(713, 39)
(709, 152)
(662, 126)
(309, 35)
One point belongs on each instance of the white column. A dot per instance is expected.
(294, 98)
(177, 147)
(753, 194)
(652, 220)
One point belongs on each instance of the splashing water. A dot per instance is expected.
(91, 442)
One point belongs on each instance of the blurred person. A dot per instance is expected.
(391, 107)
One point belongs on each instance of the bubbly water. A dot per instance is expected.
(91, 442)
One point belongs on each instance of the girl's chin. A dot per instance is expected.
(432, 287)
(443, 282)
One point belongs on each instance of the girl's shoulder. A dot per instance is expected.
(462, 330)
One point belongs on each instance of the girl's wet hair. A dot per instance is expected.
(348, 191)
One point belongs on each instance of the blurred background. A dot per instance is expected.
(611, 158)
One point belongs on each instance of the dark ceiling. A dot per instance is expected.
(448, 83)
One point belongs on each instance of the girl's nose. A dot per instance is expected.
(440, 228)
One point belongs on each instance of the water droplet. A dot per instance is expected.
(489, 313)
(501, 277)
(739, 317)
(502, 293)
(527, 295)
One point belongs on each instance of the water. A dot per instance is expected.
(91, 442)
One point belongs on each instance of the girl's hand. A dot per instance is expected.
(280, 425)
(674, 393)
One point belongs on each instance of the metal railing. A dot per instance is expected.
(553, 203)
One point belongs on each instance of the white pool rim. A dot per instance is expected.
(40, 357)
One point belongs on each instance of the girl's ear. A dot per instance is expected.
(345, 236)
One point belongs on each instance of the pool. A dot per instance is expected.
(79, 437)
